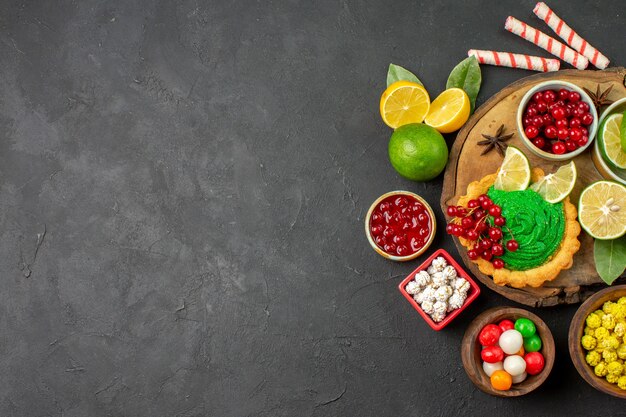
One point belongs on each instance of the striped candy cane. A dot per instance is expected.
(546, 42)
(508, 59)
(572, 38)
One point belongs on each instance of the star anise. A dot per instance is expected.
(495, 142)
(600, 99)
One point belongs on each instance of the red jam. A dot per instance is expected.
(400, 225)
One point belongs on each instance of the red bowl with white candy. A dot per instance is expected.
(439, 289)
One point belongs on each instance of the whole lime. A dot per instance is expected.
(418, 152)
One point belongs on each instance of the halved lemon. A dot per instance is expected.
(610, 142)
(514, 174)
(555, 187)
(602, 210)
(404, 102)
(449, 111)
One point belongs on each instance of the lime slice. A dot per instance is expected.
(602, 210)
(555, 187)
(622, 132)
(610, 142)
(514, 174)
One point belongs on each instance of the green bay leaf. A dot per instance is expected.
(466, 75)
(397, 73)
(610, 258)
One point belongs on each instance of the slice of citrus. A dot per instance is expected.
(602, 210)
(622, 132)
(555, 187)
(449, 111)
(514, 174)
(404, 102)
(610, 142)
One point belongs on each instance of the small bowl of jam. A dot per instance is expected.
(400, 225)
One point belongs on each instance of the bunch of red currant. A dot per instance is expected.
(481, 222)
(556, 122)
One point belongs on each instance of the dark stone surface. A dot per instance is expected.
(201, 171)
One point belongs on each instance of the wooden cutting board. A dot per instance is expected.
(467, 165)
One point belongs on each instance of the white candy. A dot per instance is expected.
(438, 316)
(490, 368)
(419, 297)
(427, 306)
(431, 270)
(428, 294)
(439, 263)
(440, 307)
(449, 272)
(515, 365)
(422, 278)
(461, 285)
(443, 293)
(412, 288)
(456, 300)
(439, 280)
(520, 378)
(511, 341)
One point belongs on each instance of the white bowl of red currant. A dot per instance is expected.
(557, 120)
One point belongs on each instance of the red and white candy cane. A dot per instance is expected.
(546, 42)
(572, 38)
(508, 59)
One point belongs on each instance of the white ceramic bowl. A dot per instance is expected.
(601, 165)
(556, 85)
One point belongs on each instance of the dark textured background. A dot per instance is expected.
(201, 170)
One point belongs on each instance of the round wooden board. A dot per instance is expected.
(467, 165)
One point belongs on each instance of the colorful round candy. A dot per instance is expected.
(492, 354)
(532, 343)
(489, 335)
(534, 363)
(520, 378)
(514, 365)
(490, 368)
(525, 326)
(506, 324)
(511, 341)
(501, 380)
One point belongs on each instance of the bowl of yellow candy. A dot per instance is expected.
(597, 341)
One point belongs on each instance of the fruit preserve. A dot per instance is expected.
(400, 225)
(557, 121)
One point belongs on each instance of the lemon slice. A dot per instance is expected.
(602, 210)
(404, 102)
(449, 111)
(555, 187)
(514, 174)
(610, 142)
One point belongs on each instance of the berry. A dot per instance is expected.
(495, 233)
(531, 131)
(497, 249)
(495, 211)
(498, 263)
(527, 121)
(451, 211)
(538, 96)
(549, 96)
(473, 204)
(479, 213)
(547, 119)
(558, 113)
(561, 124)
(467, 223)
(562, 133)
(539, 142)
(499, 221)
(550, 131)
(575, 133)
(486, 203)
(481, 227)
(574, 96)
(563, 94)
(512, 245)
(571, 145)
(472, 254)
(574, 122)
(587, 119)
(584, 106)
(542, 107)
(583, 141)
(537, 121)
(485, 244)
(472, 235)
(558, 148)
(487, 255)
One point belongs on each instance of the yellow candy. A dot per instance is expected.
(609, 355)
(621, 382)
(600, 369)
(609, 307)
(588, 330)
(622, 301)
(608, 321)
(593, 358)
(620, 311)
(620, 329)
(614, 368)
(612, 378)
(600, 333)
(609, 342)
(593, 321)
(621, 352)
(588, 342)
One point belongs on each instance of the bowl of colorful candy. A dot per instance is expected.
(507, 352)
(439, 289)
(557, 120)
(400, 225)
(597, 340)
